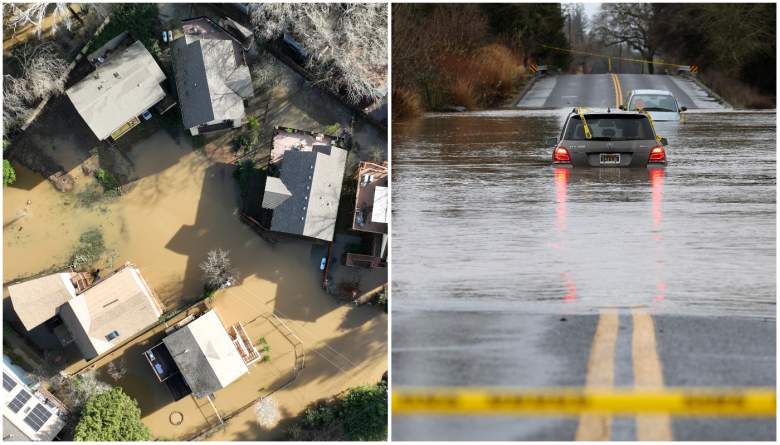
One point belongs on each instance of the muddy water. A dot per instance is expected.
(476, 202)
(181, 207)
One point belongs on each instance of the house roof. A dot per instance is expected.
(379, 212)
(122, 88)
(314, 180)
(205, 355)
(212, 78)
(37, 300)
(30, 415)
(122, 302)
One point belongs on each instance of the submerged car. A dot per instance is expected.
(608, 139)
(661, 104)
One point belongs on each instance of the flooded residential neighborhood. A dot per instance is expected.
(164, 187)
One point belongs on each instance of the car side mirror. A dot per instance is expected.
(622, 107)
(683, 109)
(664, 142)
(552, 141)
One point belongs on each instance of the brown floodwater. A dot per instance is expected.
(183, 206)
(477, 202)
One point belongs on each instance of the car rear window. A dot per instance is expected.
(610, 128)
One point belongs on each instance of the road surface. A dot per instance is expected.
(536, 277)
(598, 90)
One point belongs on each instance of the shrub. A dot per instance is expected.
(9, 174)
(358, 414)
(332, 129)
(111, 416)
(253, 123)
(105, 179)
(406, 104)
(139, 18)
(89, 248)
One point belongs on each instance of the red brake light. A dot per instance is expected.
(561, 154)
(657, 154)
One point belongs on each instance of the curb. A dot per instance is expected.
(523, 92)
(711, 92)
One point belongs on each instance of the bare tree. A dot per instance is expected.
(630, 24)
(346, 43)
(38, 72)
(19, 15)
(217, 270)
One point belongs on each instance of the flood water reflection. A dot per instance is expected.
(481, 221)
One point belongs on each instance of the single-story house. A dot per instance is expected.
(123, 86)
(304, 198)
(96, 317)
(208, 356)
(30, 414)
(212, 76)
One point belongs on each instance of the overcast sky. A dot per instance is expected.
(591, 9)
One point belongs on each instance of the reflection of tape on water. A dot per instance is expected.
(750, 402)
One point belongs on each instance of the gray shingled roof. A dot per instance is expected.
(314, 179)
(205, 355)
(211, 78)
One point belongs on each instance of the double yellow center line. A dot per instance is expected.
(618, 89)
(648, 375)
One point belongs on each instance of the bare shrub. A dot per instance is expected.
(217, 270)
(346, 43)
(406, 104)
(38, 72)
(19, 15)
(117, 369)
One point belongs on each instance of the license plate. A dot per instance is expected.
(609, 158)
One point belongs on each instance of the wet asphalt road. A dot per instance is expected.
(504, 267)
(597, 91)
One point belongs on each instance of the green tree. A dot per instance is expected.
(358, 414)
(9, 175)
(111, 416)
(364, 412)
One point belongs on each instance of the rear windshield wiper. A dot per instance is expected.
(601, 138)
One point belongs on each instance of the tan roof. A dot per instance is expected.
(124, 87)
(122, 302)
(37, 300)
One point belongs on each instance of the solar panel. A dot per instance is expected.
(8, 382)
(18, 402)
(37, 417)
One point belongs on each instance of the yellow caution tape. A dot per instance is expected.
(652, 122)
(745, 402)
(628, 59)
(580, 111)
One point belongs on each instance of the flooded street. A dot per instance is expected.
(183, 206)
(505, 269)
(477, 202)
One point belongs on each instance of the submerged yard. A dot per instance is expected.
(179, 205)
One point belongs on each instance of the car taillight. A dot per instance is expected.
(561, 154)
(657, 154)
